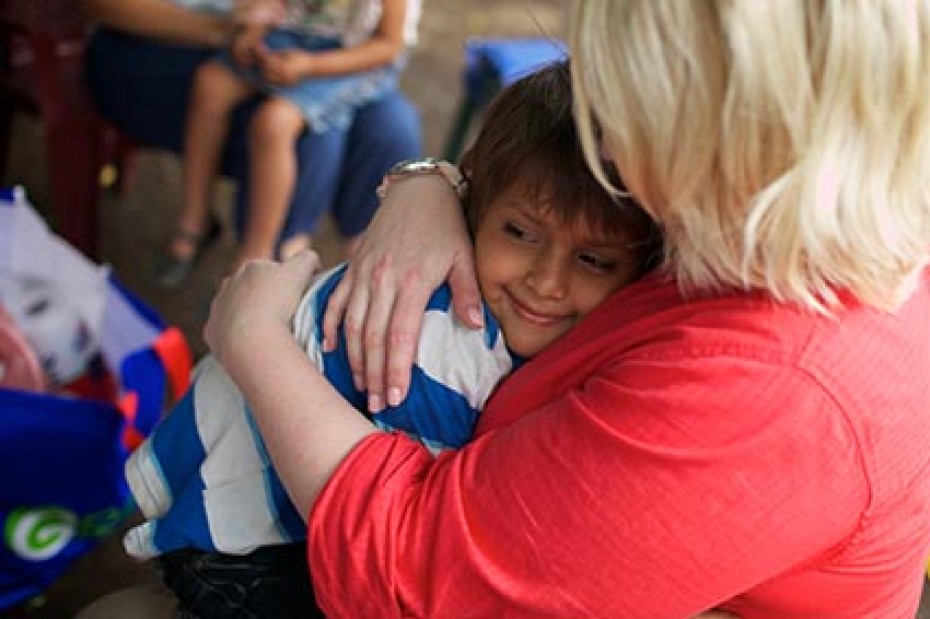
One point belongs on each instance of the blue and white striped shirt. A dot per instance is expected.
(204, 479)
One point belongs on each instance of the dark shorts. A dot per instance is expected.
(272, 582)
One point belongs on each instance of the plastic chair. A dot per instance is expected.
(491, 64)
(42, 46)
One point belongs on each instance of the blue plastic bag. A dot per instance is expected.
(61, 457)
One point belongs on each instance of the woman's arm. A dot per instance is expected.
(604, 482)
(162, 20)
(307, 426)
(417, 240)
(620, 499)
(310, 430)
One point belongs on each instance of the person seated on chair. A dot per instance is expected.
(140, 66)
(313, 67)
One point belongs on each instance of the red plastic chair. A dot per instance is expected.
(42, 45)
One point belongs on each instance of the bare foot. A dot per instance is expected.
(189, 237)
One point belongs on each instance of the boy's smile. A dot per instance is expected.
(541, 275)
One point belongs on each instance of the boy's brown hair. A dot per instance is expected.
(528, 135)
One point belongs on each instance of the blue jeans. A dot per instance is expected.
(142, 88)
(271, 582)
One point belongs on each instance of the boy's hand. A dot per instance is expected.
(285, 67)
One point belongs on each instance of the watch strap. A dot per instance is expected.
(428, 165)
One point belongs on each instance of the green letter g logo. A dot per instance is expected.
(39, 534)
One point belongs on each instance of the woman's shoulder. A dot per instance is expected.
(651, 334)
(652, 316)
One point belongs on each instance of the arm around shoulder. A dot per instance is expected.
(417, 240)
(597, 503)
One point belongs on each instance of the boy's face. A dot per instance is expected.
(540, 276)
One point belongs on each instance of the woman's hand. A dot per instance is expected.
(417, 240)
(307, 426)
(261, 295)
(247, 45)
(252, 19)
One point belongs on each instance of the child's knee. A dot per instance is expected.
(276, 119)
(217, 89)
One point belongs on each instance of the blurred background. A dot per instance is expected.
(136, 223)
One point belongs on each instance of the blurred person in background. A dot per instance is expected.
(141, 63)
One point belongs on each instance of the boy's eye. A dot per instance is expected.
(595, 262)
(518, 232)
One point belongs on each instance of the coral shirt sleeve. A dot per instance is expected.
(646, 490)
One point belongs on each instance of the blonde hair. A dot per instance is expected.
(783, 146)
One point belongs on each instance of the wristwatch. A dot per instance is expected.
(429, 165)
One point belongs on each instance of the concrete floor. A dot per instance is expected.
(134, 227)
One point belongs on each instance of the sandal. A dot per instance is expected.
(174, 269)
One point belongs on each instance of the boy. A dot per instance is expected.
(549, 249)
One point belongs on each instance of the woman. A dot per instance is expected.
(745, 429)
(140, 67)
